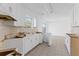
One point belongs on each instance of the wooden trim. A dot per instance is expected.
(11, 51)
(6, 18)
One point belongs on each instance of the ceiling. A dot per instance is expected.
(43, 9)
(38, 8)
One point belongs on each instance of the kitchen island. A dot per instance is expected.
(72, 44)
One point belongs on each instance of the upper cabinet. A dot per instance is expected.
(76, 15)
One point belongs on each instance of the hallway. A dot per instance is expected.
(57, 49)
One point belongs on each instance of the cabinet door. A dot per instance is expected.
(37, 38)
(1, 45)
(27, 45)
(40, 38)
(14, 43)
(11, 43)
(34, 41)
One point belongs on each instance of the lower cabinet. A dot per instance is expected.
(14, 43)
(72, 44)
(23, 45)
(27, 45)
(75, 46)
(1, 45)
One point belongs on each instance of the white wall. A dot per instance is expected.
(60, 21)
(75, 28)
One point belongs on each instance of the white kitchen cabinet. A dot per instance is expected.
(23, 45)
(27, 45)
(40, 36)
(1, 45)
(30, 42)
(14, 43)
(34, 42)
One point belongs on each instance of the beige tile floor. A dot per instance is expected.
(56, 49)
